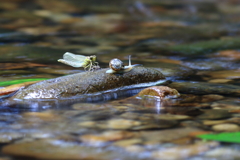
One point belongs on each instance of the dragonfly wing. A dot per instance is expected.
(73, 57)
(71, 63)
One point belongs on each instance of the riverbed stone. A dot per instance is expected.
(156, 124)
(214, 114)
(223, 153)
(206, 88)
(226, 127)
(232, 54)
(175, 71)
(107, 136)
(229, 104)
(188, 150)
(59, 150)
(122, 124)
(161, 92)
(204, 47)
(223, 74)
(6, 137)
(153, 137)
(128, 142)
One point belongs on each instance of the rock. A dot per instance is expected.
(214, 122)
(167, 135)
(97, 84)
(122, 124)
(233, 54)
(223, 74)
(41, 116)
(171, 117)
(128, 142)
(161, 92)
(205, 46)
(226, 127)
(108, 136)
(6, 137)
(90, 124)
(206, 88)
(222, 153)
(184, 152)
(214, 114)
(193, 124)
(175, 71)
(229, 104)
(55, 149)
(135, 149)
(211, 98)
(220, 81)
(210, 64)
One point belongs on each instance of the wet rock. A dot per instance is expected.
(205, 46)
(229, 104)
(87, 106)
(188, 109)
(193, 124)
(214, 114)
(175, 71)
(232, 54)
(122, 124)
(42, 116)
(205, 88)
(226, 127)
(211, 64)
(59, 150)
(90, 124)
(161, 92)
(86, 83)
(167, 135)
(214, 122)
(108, 136)
(128, 142)
(220, 81)
(6, 137)
(211, 98)
(223, 74)
(135, 149)
(188, 150)
(171, 117)
(156, 124)
(223, 153)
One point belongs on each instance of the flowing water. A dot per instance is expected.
(195, 44)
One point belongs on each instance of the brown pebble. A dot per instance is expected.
(162, 92)
(226, 127)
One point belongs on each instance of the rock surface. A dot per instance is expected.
(91, 82)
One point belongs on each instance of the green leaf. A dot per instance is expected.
(222, 137)
(7, 83)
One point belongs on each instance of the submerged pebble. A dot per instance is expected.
(214, 114)
(226, 127)
(161, 92)
(206, 88)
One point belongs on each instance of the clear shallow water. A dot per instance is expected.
(185, 40)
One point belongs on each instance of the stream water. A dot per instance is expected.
(195, 44)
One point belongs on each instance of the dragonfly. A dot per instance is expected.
(74, 60)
